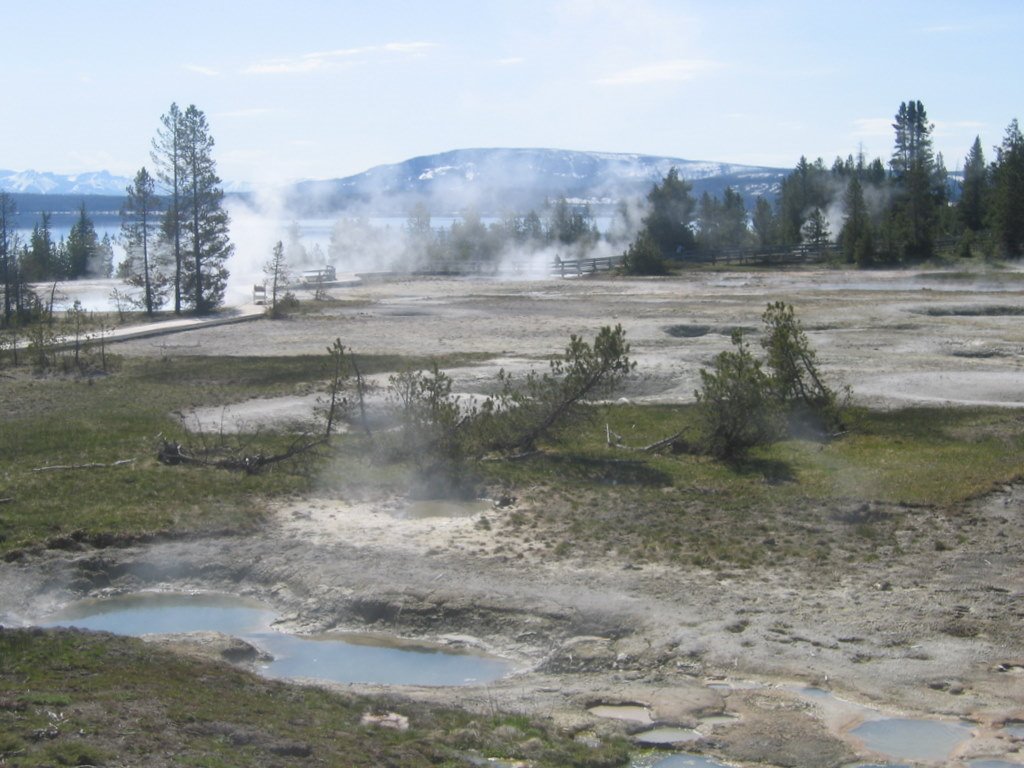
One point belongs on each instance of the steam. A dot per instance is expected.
(361, 240)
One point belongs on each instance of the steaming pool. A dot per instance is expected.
(352, 658)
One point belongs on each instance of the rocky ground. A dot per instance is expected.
(927, 634)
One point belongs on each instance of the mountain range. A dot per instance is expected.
(497, 180)
(490, 180)
(45, 183)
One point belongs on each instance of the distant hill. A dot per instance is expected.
(497, 180)
(494, 181)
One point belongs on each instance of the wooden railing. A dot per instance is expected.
(585, 266)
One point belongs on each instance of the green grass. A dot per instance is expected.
(126, 702)
(63, 421)
(681, 507)
(786, 502)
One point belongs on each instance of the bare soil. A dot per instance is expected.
(927, 633)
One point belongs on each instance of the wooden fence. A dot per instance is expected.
(585, 266)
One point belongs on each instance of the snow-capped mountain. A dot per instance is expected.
(491, 180)
(495, 180)
(44, 183)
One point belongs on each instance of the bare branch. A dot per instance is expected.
(61, 467)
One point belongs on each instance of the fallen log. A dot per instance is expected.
(91, 465)
(174, 454)
(614, 440)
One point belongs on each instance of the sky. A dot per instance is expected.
(298, 89)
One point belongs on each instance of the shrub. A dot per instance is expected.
(643, 257)
(737, 405)
(525, 412)
(794, 376)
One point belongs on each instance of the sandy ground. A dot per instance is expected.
(926, 634)
(893, 336)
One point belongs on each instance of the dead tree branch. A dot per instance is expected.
(174, 454)
(615, 440)
(93, 465)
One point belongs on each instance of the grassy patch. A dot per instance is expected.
(980, 310)
(780, 502)
(796, 500)
(68, 421)
(128, 703)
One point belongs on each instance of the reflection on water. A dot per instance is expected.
(358, 659)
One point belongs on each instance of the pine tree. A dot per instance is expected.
(138, 215)
(643, 257)
(41, 261)
(856, 237)
(104, 263)
(913, 143)
(82, 247)
(804, 190)
(277, 274)
(204, 217)
(1008, 191)
(8, 254)
(709, 237)
(670, 215)
(815, 230)
(734, 219)
(168, 157)
(764, 222)
(974, 188)
(920, 181)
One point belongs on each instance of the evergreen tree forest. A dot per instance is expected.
(864, 212)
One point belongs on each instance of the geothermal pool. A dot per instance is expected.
(352, 658)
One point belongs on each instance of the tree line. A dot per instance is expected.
(82, 254)
(173, 226)
(873, 213)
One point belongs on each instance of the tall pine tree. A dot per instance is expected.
(83, 247)
(138, 218)
(1008, 192)
(41, 259)
(168, 157)
(8, 255)
(974, 188)
(670, 214)
(856, 237)
(920, 184)
(204, 217)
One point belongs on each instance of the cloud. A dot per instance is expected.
(511, 61)
(318, 61)
(201, 70)
(671, 71)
